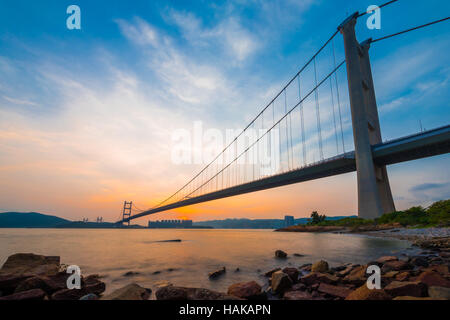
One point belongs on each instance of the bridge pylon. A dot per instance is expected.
(374, 192)
(126, 214)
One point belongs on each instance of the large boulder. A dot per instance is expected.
(217, 273)
(413, 289)
(129, 292)
(9, 282)
(33, 283)
(69, 294)
(292, 273)
(280, 282)
(310, 279)
(92, 284)
(171, 293)
(327, 278)
(246, 290)
(344, 272)
(436, 292)
(364, 293)
(357, 276)
(335, 291)
(431, 278)
(419, 261)
(320, 266)
(268, 274)
(34, 294)
(30, 264)
(280, 254)
(397, 265)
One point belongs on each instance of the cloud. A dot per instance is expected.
(228, 35)
(428, 186)
(19, 101)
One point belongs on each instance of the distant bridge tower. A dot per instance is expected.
(127, 211)
(374, 192)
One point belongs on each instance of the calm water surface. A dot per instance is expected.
(114, 252)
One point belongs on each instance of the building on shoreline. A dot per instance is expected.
(170, 224)
(288, 221)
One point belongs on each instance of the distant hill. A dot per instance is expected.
(94, 225)
(254, 223)
(29, 220)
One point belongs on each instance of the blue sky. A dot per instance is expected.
(86, 115)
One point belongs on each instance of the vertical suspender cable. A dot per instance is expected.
(319, 129)
(337, 95)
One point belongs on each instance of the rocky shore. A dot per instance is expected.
(424, 276)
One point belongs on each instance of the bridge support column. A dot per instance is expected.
(374, 193)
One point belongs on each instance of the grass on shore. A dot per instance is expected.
(436, 215)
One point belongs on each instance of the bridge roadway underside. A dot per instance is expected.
(417, 146)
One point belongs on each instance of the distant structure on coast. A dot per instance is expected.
(170, 224)
(288, 221)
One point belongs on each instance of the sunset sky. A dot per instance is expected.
(87, 116)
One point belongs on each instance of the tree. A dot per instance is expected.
(316, 218)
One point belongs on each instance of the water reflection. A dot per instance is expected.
(114, 252)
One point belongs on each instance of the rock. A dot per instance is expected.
(217, 273)
(182, 293)
(391, 274)
(395, 266)
(309, 279)
(298, 255)
(402, 276)
(9, 282)
(129, 292)
(246, 290)
(171, 293)
(335, 291)
(419, 261)
(237, 270)
(292, 273)
(32, 283)
(269, 273)
(92, 284)
(432, 278)
(130, 274)
(156, 272)
(90, 296)
(441, 269)
(206, 294)
(385, 259)
(280, 254)
(326, 278)
(34, 294)
(298, 286)
(320, 266)
(439, 292)
(280, 282)
(414, 289)
(297, 295)
(364, 293)
(357, 276)
(69, 294)
(30, 264)
(56, 282)
(347, 270)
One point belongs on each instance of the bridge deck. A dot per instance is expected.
(421, 145)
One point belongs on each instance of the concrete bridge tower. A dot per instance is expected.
(374, 192)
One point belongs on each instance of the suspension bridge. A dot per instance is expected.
(300, 135)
